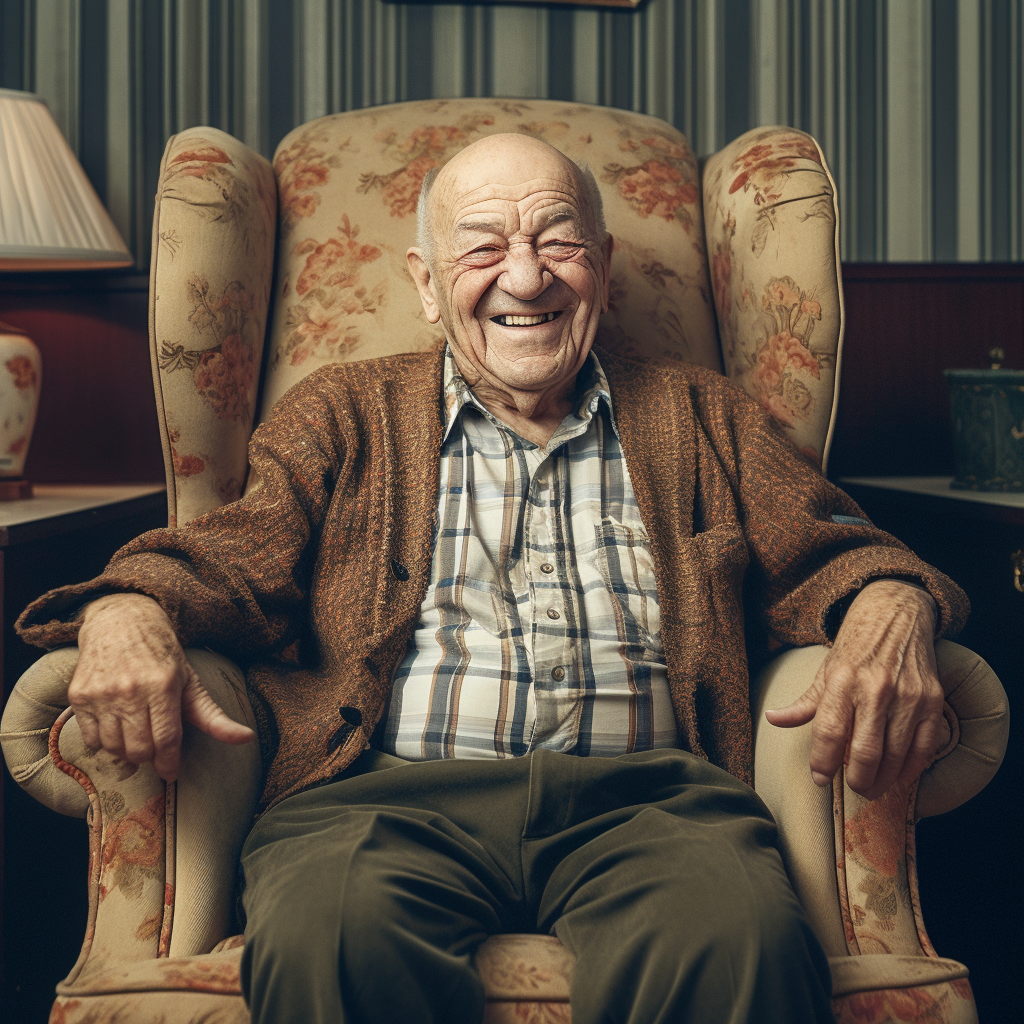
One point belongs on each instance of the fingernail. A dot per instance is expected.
(819, 779)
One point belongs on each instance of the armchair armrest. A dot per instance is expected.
(163, 857)
(802, 810)
(36, 702)
(852, 861)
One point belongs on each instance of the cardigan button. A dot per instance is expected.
(399, 570)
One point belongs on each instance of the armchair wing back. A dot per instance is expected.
(333, 284)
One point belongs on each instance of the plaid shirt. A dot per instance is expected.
(540, 627)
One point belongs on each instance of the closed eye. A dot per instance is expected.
(561, 249)
(484, 256)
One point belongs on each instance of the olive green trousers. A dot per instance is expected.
(366, 898)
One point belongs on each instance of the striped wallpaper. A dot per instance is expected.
(917, 103)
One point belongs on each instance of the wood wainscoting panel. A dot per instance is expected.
(905, 324)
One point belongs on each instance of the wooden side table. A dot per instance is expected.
(968, 858)
(65, 534)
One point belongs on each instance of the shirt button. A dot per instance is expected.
(547, 568)
(553, 613)
(558, 673)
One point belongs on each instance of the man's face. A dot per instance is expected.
(518, 277)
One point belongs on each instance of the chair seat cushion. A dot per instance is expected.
(513, 967)
(516, 970)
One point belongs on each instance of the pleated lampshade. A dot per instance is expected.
(50, 219)
(50, 215)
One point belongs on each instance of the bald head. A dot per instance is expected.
(508, 160)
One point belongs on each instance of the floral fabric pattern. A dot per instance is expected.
(770, 213)
(223, 193)
(212, 267)
(325, 322)
(527, 1013)
(133, 845)
(877, 873)
(303, 168)
(422, 149)
(763, 166)
(947, 1003)
(781, 369)
(225, 373)
(664, 184)
(525, 967)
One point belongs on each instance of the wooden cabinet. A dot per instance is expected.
(969, 859)
(62, 535)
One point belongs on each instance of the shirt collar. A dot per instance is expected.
(591, 390)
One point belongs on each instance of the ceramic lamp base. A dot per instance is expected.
(20, 375)
(15, 489)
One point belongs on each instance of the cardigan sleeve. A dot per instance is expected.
(237, 577)
(811, 547)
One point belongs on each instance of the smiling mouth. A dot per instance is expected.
(525, 321)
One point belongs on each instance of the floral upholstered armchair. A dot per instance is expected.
(734, 267)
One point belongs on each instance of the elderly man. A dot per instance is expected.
(492, 601)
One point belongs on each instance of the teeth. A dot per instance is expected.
(525, 321)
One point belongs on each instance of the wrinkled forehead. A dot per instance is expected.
(527, 207)
(530, 206)
(512, 178)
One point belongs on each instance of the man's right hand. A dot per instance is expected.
(133, 684)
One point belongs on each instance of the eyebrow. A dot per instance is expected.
(481, 224)
(560, 214)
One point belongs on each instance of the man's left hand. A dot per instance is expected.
(876, 701)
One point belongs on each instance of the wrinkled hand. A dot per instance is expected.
(876, 701)
(133, 684)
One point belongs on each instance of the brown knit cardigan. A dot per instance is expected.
(314, 581)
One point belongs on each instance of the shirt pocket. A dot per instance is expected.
(622, 559)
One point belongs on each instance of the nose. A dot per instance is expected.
(524, 275)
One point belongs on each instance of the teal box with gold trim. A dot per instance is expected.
(988, 429)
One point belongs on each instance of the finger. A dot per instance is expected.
(804, 708)
(165, 725)
(900, 734)
(111, 737)
(89, 728)
(904, 739)
(922, 750)
(833, 724)
(138, 737)
(867, 745)
(204, 713)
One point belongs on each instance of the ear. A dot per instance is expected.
(606, 249)
(424, 282)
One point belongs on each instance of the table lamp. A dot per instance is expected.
(50, 219)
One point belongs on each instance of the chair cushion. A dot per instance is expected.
(513, 967)
(534, 968)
